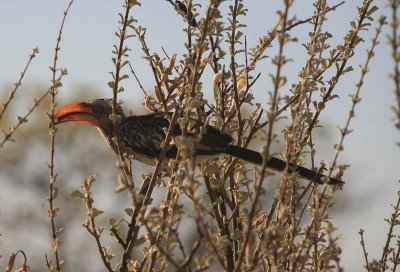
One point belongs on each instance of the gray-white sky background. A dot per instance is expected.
(371, 182)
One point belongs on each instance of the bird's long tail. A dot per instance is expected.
(278, 164)
(244, 154)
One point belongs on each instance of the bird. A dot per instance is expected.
(142, 136)
(182, 10)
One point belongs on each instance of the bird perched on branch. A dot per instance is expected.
(141, 137)
(182, 10)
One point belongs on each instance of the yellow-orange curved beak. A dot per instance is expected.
(78, 111)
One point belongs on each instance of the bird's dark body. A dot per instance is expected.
(141, 137)
(144, 134)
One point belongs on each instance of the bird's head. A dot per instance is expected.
(95, 112)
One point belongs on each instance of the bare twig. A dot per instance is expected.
(232, 49)
(8, 136)
(90, 224)
(145, 191)
(219, 217)
(137, 80)
(362, 242)
(333, 8)
(277, 85)
(356, 97)
(18, 83)
(394, 42)
(11, 262)
(189, 258)
(393, 222)
(121, 51)
(56, 83)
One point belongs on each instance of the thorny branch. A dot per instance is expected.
(19, 82)
(56, 83)
(8, 135)
(362, 242)
(394, 42)
(121, 51)
(277, 85)
(146, 191)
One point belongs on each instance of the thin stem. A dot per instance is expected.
(362, 242)
(269, 141)
(53, 91)
(394, 42)
(18, 83)
(146, 191)
(23, 119)
(232, 50)
(94, 231)
(393, 222)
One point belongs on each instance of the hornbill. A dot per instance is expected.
(141, 137)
